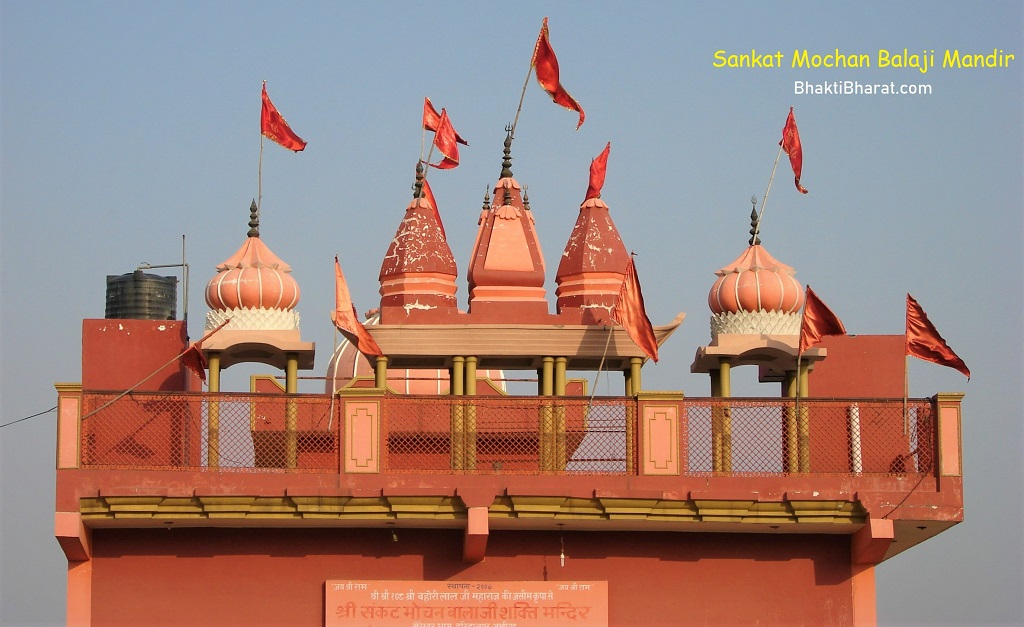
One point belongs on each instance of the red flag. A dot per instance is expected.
(791, 146)
(598, 168)
(275, 128)
(193, 357)
(431, 120)
(924, 341)
(344, 317)
(428, 195)
(630, 313)
(547, 73)
(817, 322)
(445, 141)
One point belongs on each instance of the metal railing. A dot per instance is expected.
(505, 435)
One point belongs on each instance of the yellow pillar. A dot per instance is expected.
(213, 363)
(560, 426)
(789, 390)
(721, 421)
(803, 423)
(547, 383)
(547, 415)
(470, 413)
(380, 372)
(291, 411)
(458, 415)
(634, 373)
(213, 413)
(560, 367)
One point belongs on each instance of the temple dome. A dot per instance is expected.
(755, 282)
(253, 288)
(253, 278)
(756, 294)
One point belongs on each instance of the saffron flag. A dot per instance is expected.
(546, 65)
(630, 313)
(924, 341)
(432, 119)
(445, 141)
(274, 127)
(791, 146)
(344, 317)
(193, 357)
(598, 169)
(817, 322)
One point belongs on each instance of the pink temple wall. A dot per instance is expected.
(276, 576)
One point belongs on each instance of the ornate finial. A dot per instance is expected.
(506, 162)
(487, 199)
(526, 199)
(254, 220)
(417, 188)
(755, 223)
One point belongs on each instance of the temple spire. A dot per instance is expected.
(506, 162)
(417, 188)
(254, 220)
(755, 224)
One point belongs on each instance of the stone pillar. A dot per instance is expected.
(213, 412)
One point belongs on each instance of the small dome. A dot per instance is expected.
(253, 278)
(755, 282)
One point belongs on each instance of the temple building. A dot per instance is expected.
(417, 490)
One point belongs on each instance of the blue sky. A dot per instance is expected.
(124, 126)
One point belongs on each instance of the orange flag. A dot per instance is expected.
(546, 64)
(598, 168)
(924, 341)
(431, 120)
(193, 357)
(791, 146)
(344, 317)
(445, 139)
(817, 322)
(274, 127)
(630, 313)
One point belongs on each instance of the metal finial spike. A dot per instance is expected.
(254, 220)
(506, 162)
(417, 188)
(755, 226)
(526, 198)
(487, 199)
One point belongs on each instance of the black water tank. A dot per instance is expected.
(140, 296)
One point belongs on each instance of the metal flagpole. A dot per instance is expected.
(522, 96)
(764, 201)
(259, 168)
(259, 179)
(906, 393)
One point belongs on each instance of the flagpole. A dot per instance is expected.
(522, 96)
(906, 393)
(259, 180)
(764, 201)
(259, 168)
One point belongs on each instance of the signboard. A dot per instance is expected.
(398, 603)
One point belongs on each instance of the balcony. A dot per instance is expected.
(656, 461)
(669, 436)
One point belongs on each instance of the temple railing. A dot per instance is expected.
(653, 434)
